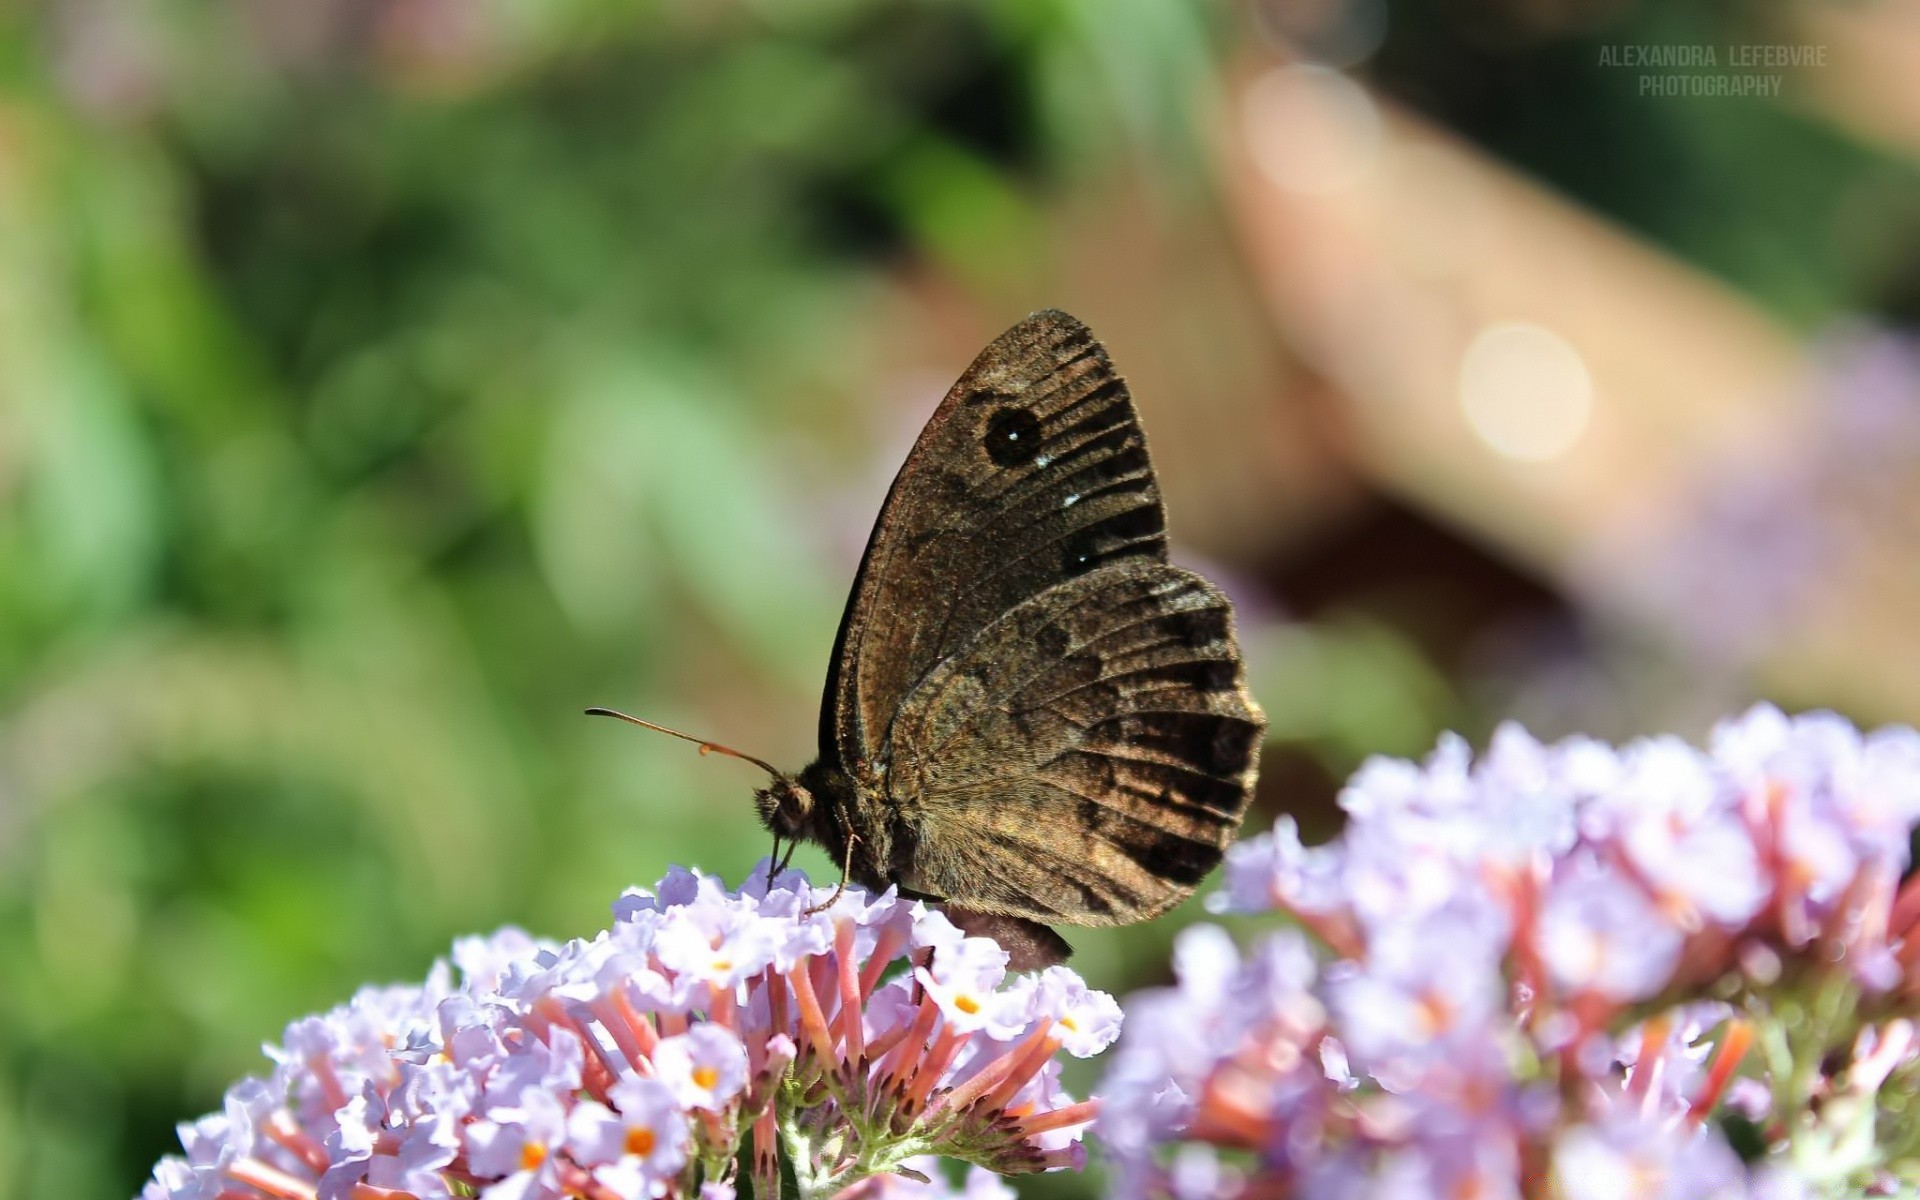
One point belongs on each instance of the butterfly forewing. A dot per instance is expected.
(1032, 470)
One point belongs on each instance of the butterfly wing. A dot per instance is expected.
(1086, 758)
(1032, 470)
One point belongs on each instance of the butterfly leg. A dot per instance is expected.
(846, 867)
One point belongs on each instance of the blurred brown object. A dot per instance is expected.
(1870, 82)
(1531, 373)
(1394, 245)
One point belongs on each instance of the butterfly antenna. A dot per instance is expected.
(706, 747)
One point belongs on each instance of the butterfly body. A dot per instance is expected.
(1031, 716)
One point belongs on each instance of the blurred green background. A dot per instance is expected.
(384, 381)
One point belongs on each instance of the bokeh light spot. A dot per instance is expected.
(1525, 391)
(1310, 129)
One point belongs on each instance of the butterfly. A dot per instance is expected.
(1030, 716)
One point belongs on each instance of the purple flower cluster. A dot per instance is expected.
(1560, 971)
(705, 1026)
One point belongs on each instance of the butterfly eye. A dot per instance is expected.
(1013, 437)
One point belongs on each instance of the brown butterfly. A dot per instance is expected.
(1030, 716)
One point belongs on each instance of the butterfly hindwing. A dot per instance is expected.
(1086, 758)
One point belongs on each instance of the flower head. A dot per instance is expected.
(1559, 964)
(850, 1039)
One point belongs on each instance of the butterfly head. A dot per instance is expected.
(786, 808)
(817, 806)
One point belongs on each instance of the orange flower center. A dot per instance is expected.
(966, 1004)
(1435, 1012)
(705, 1077)
(640, 1141)
(532, 1155)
